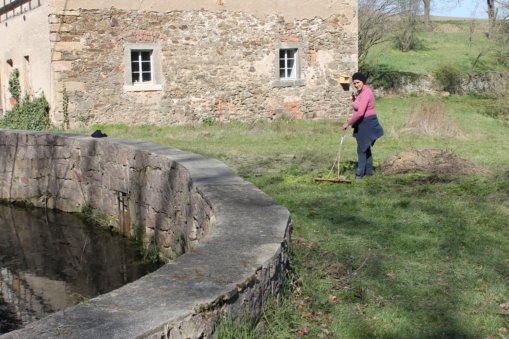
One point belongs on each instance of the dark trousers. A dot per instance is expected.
(365, 162)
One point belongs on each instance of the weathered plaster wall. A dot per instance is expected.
(290, 9)
(223, 64)
(234, 269)
(21, 36)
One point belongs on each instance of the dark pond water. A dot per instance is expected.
(50, 261)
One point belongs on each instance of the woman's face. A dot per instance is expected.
(358, 84)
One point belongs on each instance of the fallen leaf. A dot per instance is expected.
(303, 330)
(324, 333)
(391, 275)
(502, 330)
(505, 306)
(333, 298)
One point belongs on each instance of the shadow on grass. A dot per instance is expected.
(404, 260)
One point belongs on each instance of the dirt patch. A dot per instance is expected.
(434, 161)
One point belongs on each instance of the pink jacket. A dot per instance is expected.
(363, 106)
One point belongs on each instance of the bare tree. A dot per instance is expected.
(503, 6)
(503, 27)
(374, 18)
(492, 18)
(408, 18)
(427, 10)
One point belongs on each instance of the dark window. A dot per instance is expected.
(141, 66)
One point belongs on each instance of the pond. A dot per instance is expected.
(51, 260)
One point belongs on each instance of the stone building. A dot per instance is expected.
(179, 61)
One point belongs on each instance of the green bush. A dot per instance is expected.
(209, 120)
(29, 113)
(14, 85)
(447, 78)
(406, 38)
(383, 76)
(406, 43)
(65, 108)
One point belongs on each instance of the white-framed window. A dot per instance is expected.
(142, 67)
(289, 67)
(288, 63)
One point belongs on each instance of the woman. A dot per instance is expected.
(365, 123)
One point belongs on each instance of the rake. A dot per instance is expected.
(336, 165)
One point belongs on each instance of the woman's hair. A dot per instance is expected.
(359, 76)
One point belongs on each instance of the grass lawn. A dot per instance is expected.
(398, 256)
(467, 52)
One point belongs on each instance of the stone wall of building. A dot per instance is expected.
(235, 267)
(220, 64)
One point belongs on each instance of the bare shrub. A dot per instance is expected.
(431, 118)
(374, 20)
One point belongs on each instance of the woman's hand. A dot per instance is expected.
(345, 125)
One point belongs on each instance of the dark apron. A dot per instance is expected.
(366, 131)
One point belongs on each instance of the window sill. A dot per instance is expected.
(289, 83)
(143, 88)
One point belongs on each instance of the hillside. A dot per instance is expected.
(461, 43)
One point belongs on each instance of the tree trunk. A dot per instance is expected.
(427, 9)
(492, 16)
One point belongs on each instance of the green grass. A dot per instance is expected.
(267, 147)
(404, 259)
(403, 256)
(441, 48)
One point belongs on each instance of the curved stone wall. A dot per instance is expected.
(235, 238)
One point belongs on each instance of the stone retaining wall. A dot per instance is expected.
(235, 238)
(142, 194)
(488, 83)
(483, 83)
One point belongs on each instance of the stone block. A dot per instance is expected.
(61, 66)
(67, 46)
(74, 86)
(54, 37)
(53, 19)
(59, 27)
